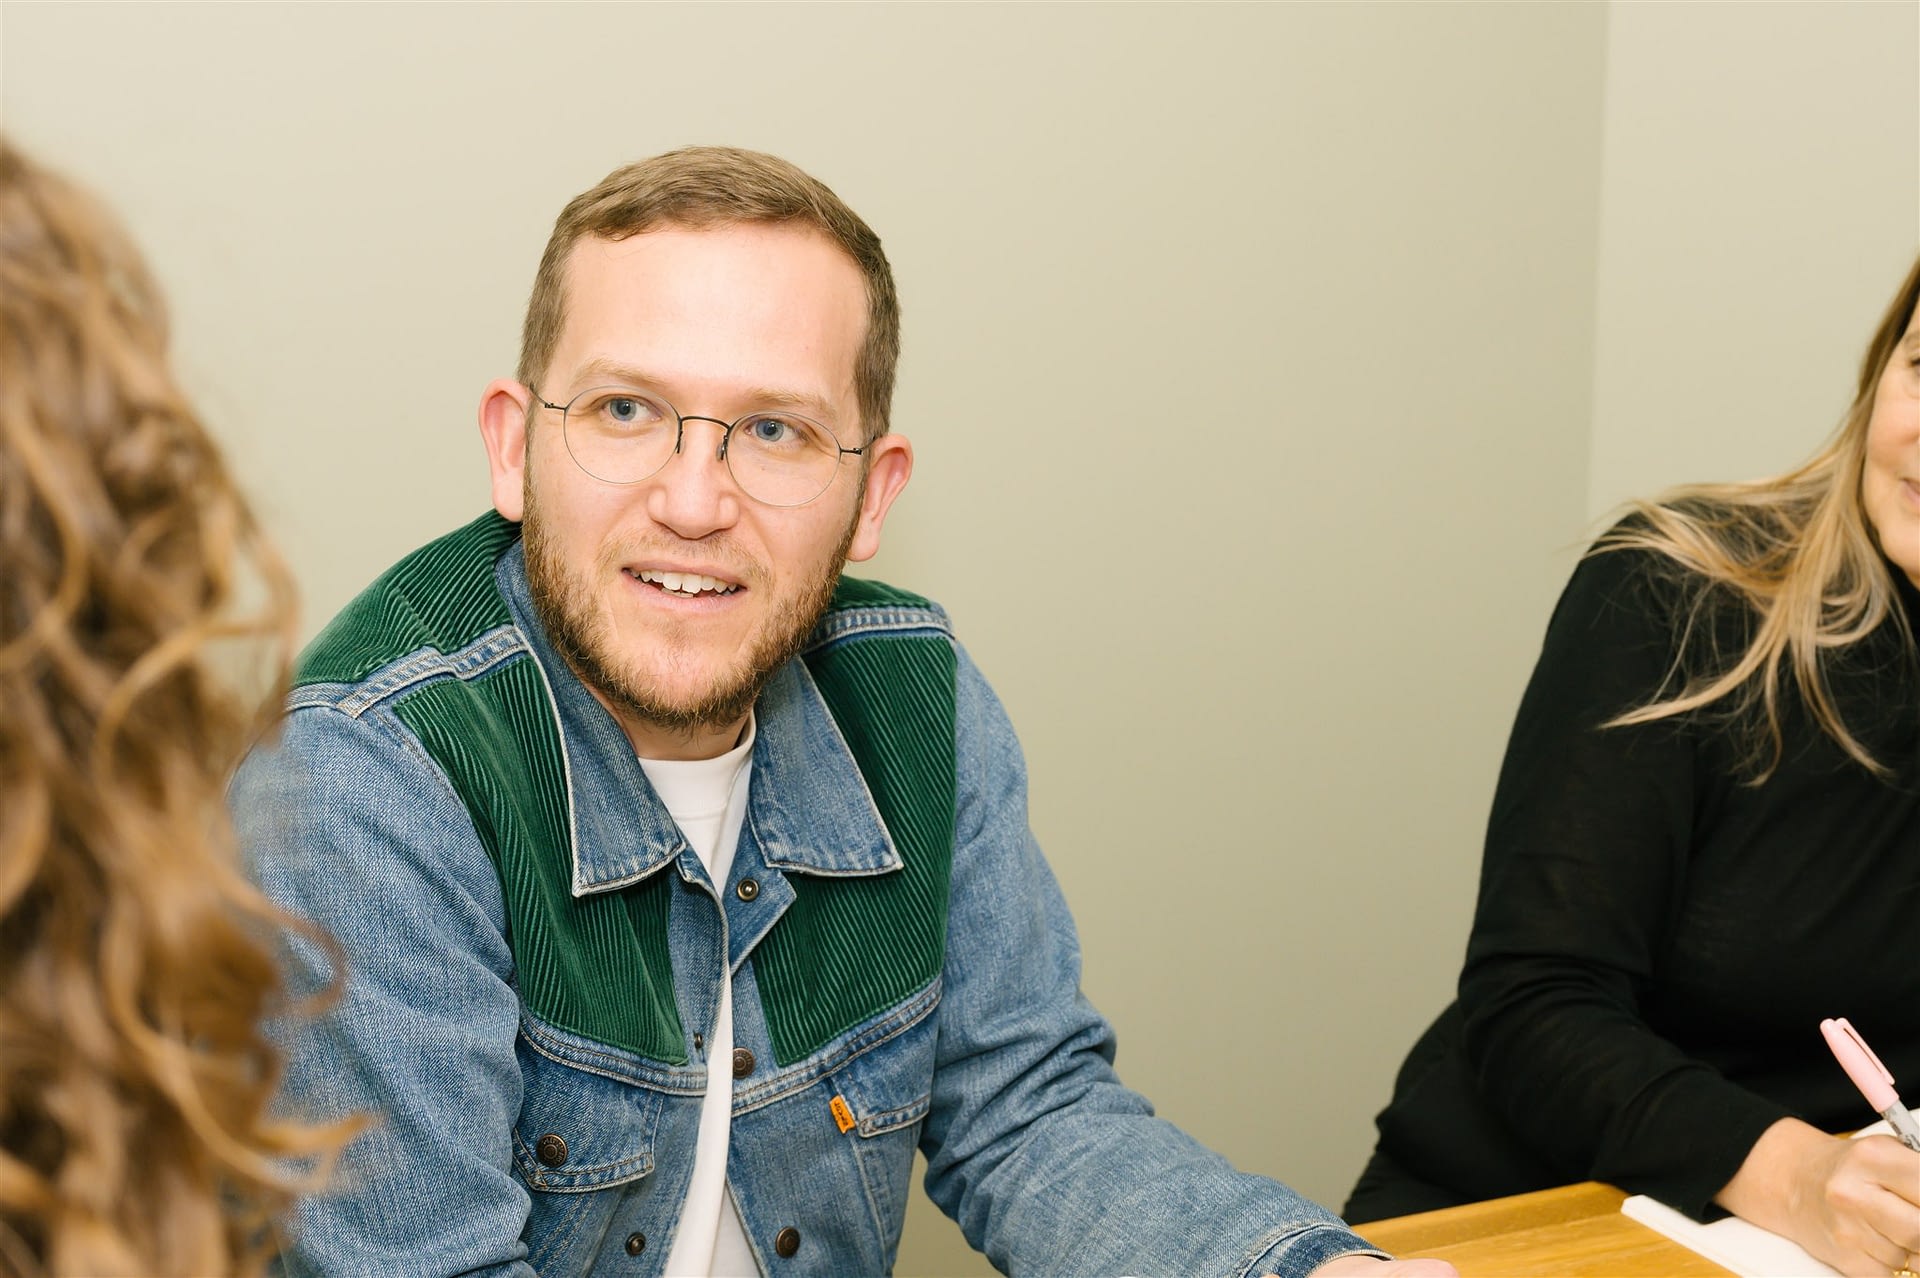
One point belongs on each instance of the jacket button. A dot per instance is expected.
(636, 1243)
(786, 1242)
(551, 1150)
(742, 1066)
(747, 889)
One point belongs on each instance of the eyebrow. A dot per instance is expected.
(760, 397)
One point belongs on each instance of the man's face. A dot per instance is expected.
(718, 323)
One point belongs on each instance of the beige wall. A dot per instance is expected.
(1760, 203)
(1250, 361)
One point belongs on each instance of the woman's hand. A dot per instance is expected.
(1853, 1203)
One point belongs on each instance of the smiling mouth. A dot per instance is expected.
(684, 585)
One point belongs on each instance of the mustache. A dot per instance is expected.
(718, 549)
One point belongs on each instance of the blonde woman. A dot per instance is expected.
(135, 961)
(1706, 839)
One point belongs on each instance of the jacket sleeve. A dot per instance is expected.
(349, 825)
(1585, 870)
(1033, 1146)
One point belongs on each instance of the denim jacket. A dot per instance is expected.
(537, 1100)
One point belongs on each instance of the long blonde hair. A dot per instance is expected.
(136, 961)
(1799, 550)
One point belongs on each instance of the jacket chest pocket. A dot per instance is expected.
(584, 1144)
(888, 1090)
(579, 1130)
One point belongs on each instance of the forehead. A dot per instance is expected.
(703, 310)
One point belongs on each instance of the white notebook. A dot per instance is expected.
(1745, 1248)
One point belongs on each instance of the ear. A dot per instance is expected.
(503, 428)
(889, 465)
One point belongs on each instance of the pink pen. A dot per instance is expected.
(1872, 1078)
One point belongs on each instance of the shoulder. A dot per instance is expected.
(1636, 571)
(1723, 548)
(1619, 582)
(862, 608)
(1636, 624)
(882, 641)
(442, 598)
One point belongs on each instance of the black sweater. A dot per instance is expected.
(1656, 942)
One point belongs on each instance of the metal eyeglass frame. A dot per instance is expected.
(680, 438)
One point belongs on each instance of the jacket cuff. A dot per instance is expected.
(1298, 1252)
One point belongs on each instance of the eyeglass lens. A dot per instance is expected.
(622, 435)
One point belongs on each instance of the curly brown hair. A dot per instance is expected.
(136, 961)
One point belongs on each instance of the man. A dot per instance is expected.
(685, 888)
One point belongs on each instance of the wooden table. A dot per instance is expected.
(1575, 1231)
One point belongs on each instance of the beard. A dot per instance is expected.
(577, 621)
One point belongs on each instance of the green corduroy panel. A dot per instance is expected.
(496, 740)
(858, 592)
(441, 596)
(598, 965)
(849, 948)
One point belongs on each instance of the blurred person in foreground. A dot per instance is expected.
(1705, 841)
(136, 961)
(687, 886)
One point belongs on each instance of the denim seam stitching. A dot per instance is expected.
(884, 1121)
(540, 1178)
(471, 662)
(618, 1069)
(863, 1157)
(895, 860)
(874, 620)
(355, 699)
(580, 889)
(1266, 1243)
(596, 1238)
(605, 1175)
(800, 1077)
(556, 1244)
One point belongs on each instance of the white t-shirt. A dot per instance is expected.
(708, 801)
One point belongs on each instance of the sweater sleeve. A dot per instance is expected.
(1586, 864)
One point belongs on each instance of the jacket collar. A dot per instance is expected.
(808, 807)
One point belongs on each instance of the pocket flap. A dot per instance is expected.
(579, 1130)
(890, 1085)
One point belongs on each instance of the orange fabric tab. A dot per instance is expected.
(841, 1114)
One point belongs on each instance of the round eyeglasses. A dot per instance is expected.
(622, 435)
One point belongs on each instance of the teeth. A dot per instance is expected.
(686, 584)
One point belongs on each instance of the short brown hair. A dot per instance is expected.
(706, 186)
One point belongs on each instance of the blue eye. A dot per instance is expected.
(770, 430)
(619, 407)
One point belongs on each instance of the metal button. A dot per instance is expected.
(742, 1062)
(786, 1242)
(636, 1243)
(699, 1043)
(747, 889)
(550, 1149)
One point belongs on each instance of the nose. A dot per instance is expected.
(694, 494)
